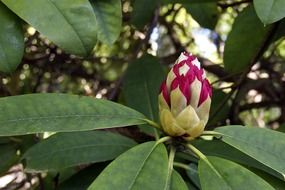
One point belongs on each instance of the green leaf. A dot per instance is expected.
(54, 178)
(206, 14)
(70, 25)
(220, 149)
(109, 19)
(11, 40)
(36, 113)
(4, 140)
(224, 175)
(278, 184)
(177, 182)
(269, 11)
(264, 145)
(279, 31)
(244, 41)
(82, 179)
(281, 128)
(8, 157)
(192, 173)
(185, 157)
(141, 93)
(191, 186)
(144, 166)
(143, 12)
(64, 150)
(222, 114)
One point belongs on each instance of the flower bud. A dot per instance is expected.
(185, 99)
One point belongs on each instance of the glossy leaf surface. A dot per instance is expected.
(36, 113)
(72, 26)
(64, 150)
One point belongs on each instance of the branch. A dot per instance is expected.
(257, 105)
(240, 93)
(227, 5)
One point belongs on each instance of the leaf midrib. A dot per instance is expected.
(142, 166)
(105, 32)
(75, 148)
(257, 147)
(221, 176)
(73, 29)
(270, 11)
(73, 116)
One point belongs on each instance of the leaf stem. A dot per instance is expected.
(163, 139)
(156, 126)
(183, 166)
(213, 133)
(152, 123)
(170, 165)
(156, 134)
(17, 140)
(202, 157)
(198, 153)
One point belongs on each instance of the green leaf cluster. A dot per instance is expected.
(97, 144)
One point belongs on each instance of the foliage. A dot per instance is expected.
(114, 55)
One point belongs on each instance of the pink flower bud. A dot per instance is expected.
(185, 99)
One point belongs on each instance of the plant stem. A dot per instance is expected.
(202, 157)
(152, 123)
(183, 166)
(156, 135)
(163, 139)
(17, 140)
(170, 165)
(198, 153)
(156, 126)
(211, 133)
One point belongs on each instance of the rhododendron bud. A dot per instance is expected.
(185, 99)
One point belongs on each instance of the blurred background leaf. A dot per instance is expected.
(82, 179)
(109, 19)
(141, 87)
(206, 14)
(139, 41)
(237, 59)
(11, 40)
(269, 11)
(143, 12)
(8, 157)
(72, 26)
